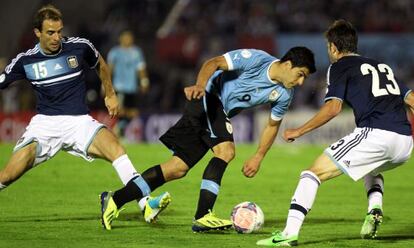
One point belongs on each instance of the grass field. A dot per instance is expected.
(56, 204)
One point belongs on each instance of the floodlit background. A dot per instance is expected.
(177, 36)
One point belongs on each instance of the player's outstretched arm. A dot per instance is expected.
(328, 111)
(269, 134)
(111, 101)
(197, 91)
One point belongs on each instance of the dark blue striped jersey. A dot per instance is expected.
(57, 79)
(371, 90)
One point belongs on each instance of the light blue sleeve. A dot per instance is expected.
(111, 56)
(140, 59)
(245, 59)
(281, 105)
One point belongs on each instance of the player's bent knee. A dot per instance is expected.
(311, 175)
(179, 173)
(174, 170)
(226, 154)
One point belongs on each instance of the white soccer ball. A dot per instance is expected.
(247, 217)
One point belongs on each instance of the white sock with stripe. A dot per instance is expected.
(302, 202)
(374, 186)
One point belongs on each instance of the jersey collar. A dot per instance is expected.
(50, 55)
(268, 71)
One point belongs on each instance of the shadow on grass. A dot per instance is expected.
(377, 241)
(328, 220)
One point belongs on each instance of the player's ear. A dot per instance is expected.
(333, 49)
(288, 64)
(37, 32)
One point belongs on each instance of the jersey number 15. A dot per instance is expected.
(376, 88)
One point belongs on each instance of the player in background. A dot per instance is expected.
(128, 68)
(55, 67)
(225, 86)
(381, 141)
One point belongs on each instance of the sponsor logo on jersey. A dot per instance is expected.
(2, 78)
(273, 95)
(72, 62)
(246, 53)
(229, 127)
(58, 67)
(347, 163)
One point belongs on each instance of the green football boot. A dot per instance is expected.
(279, 239)
(372, 222)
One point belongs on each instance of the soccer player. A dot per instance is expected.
(128, 68)
(381, 141)
(55, 67)
(225, 86)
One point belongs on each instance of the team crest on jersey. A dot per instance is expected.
(73, 62)
(246, 53)
(2, 78)
(273, 95)
(229, 127)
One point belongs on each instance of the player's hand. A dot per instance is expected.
(194, 92)
(252, 166)
(111, 103)
(145, 84)
(144, 88)
(291, 134)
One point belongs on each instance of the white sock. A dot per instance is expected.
(302, 202)
(126, 171)
(374, 200)
(142, 202)
(374, 186)
(2, 186)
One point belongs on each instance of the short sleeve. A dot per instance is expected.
(111, 56)
(281, 105)
(141, 59)
(13, 72)
(336, 81)
(91, 55)
(244, 59)
(403, 89)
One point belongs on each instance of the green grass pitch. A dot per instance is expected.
(56, 204)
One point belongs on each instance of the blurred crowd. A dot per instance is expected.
(177, 36)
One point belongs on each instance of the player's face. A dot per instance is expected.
(295, 76)
(50, 36)
(126, 39)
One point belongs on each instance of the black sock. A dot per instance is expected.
(154, 177)
(148, 181)
(210, 186)
(128, 193)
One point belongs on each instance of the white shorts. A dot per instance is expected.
(73, 134)
(370, 151)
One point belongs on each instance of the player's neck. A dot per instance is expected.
(346, 55)
(276, 71)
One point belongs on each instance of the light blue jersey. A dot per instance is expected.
(126, 63)
(247, 84)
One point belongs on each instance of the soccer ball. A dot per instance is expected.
(247, 217)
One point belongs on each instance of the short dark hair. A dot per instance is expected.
(343, 34)
(47, 12)
(300, 57)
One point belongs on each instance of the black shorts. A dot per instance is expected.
(198, 130)
(127, 100)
